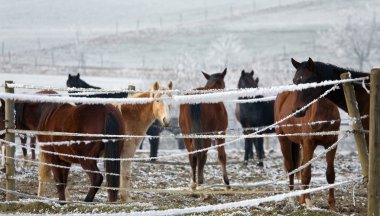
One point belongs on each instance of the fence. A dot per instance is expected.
(181, 97)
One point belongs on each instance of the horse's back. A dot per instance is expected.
(322, 110)
(91, 119)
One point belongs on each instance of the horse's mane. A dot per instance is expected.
(327, 71)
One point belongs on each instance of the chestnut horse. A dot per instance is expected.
(137, 119)
(253, 115)
(92, 119)
(310, 71)
(290, 145)
(204, 118)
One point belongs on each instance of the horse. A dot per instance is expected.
(92, 119)
(204, 118)
(137, 119)
(310, 71)
(253, 115)
(154, 130)
(26, 121)
(77, 82)
(322, 110)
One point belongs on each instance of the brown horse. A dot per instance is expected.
(92, 119)
(290, 145)
(204, 118)
(137, 119)
(310, 71)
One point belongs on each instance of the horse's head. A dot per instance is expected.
(305, 73)
(162, 107)
(74, 81)
(246, 80)
(215, 81)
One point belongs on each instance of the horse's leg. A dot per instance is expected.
(60, 175)
(308, 150)
(96, 178)
(259, 146)
(128, 151)
(33, 147)
(44, 174)
(223, 162)
(201, 162)
(287, 153)
(330, 176)
(23, 139)
(193, 165)
(247, 149)
(154, 143)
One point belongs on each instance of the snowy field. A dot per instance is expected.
(115, 43)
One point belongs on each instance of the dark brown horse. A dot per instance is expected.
(290, 145)
(92, 119)
(204, 119)
(310, 71)
(253, 115)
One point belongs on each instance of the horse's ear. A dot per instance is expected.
(170, 85)
(69, 76)
(206, 75)
(242, 73)
(224, 72)
(296, 64)
(155, 86)
(252, 72)
(78, 75)
(310, 64)
(257, 80)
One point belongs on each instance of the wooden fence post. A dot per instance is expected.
(374, 145)
(10, 150)
(353, 112)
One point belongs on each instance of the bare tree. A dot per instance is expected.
(225, 52)
(356, 39)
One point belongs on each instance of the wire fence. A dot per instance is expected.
(210, 96)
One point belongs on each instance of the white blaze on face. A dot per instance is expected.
(167, 107)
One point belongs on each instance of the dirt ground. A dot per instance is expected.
(175, 178)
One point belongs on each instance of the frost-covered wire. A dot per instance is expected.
(244, 203)
(214, 97)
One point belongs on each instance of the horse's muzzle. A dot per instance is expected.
(165, 122)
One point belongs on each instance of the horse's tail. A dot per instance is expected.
(196, 125)
(112, 149)
(297, 158)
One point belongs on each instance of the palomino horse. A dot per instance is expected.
(154, 130)
(204, 118)
(253, 115)
(137, 119)
(310, 71)
(290, 145)
(92, 119)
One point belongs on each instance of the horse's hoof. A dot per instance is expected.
(227, 188)
(193, 186)
(260, 164)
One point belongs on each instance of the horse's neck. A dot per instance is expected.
(137, 117)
